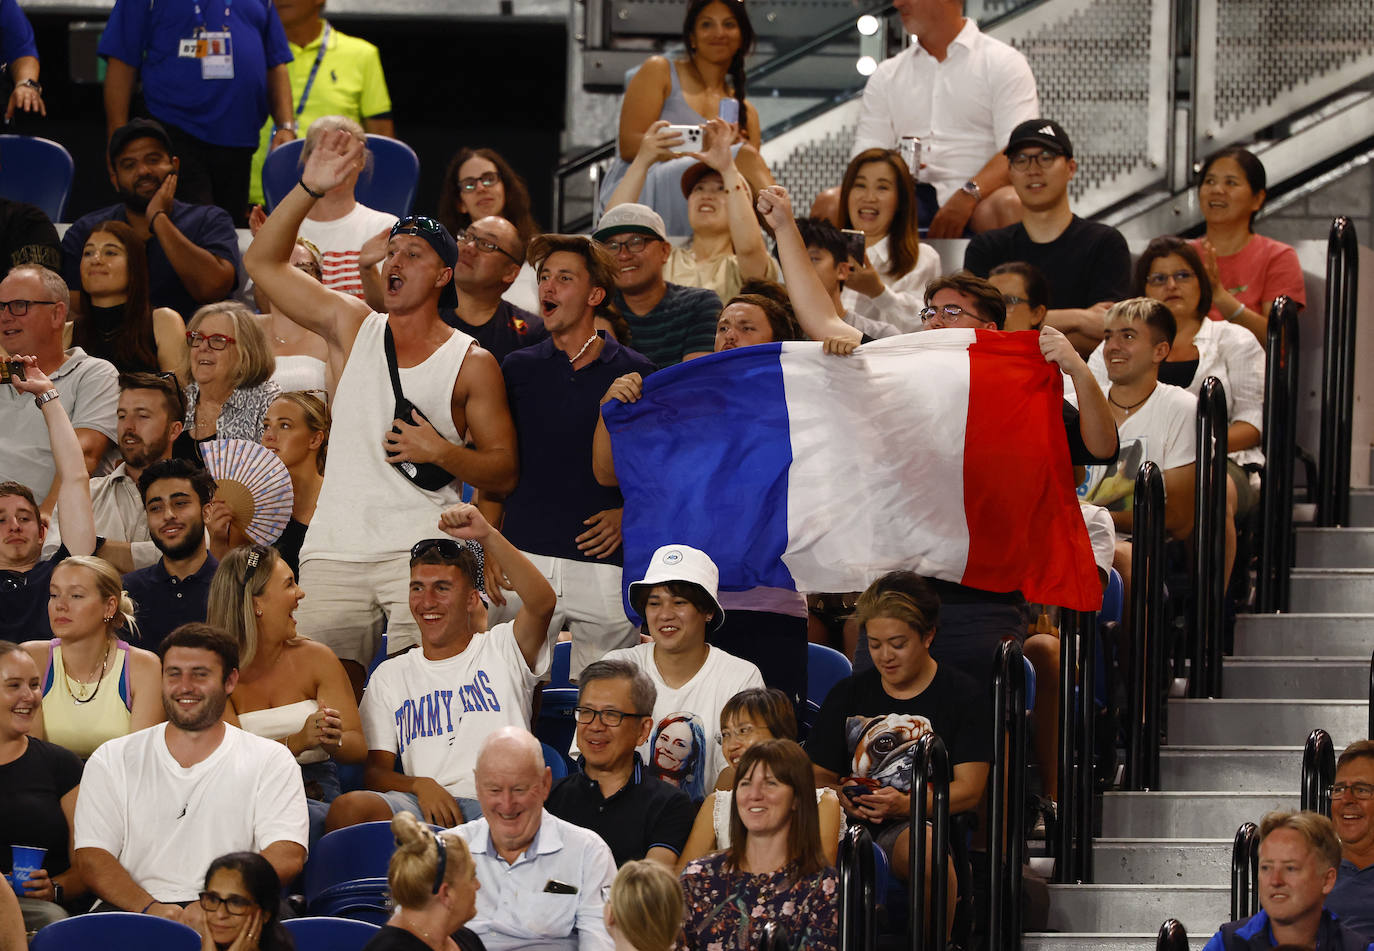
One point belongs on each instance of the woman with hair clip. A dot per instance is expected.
(878, 198)
(644, 911)
(231, 367)
(692, 90)
(290, 688)
(433, 881)
(117, 323)
(241, 900)
(774, 869)
(296, 428)
(95, 685)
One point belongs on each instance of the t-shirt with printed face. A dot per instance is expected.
(1162, 431)
(434, 714)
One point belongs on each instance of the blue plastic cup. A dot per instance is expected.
(27, 859)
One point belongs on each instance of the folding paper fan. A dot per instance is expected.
(255, 484)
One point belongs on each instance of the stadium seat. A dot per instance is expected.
(349, 865)
(116, 931)
(37, 171)
(390, 186)
(555, 761)
(330, 934)
(560, 671)
(825, 667)
(555, 726)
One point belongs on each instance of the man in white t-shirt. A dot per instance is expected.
(159, 805)
(1157, 423)
(677, 600)
(432, 707)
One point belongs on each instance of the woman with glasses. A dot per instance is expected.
(301, 355)
(117, 323)
(753, 716)
(240, 901)
(290, 688)
(775, 867)
(1024, 291)
(1246, 270)
(96, 686)
(433, 881)
(296, 428)
(231, 367)
(878, 198)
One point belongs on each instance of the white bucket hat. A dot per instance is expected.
(681, 563)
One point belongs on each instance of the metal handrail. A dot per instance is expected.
(774, 938)
(1338, 374)
(1077, 712)
(929, 774)
(1318, 772)
(1209, 541)
(1245, 872)
(1280, 450)
(1068, 682)
(1007, 808)
(858, 897)
(1172, 936)
(1147, 623)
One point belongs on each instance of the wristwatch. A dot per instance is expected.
(31, 83)
(46, 396)
(970, 187)
(57, 892)
(293, 126)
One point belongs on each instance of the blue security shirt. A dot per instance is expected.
(147, 35)
(1254, 934)
(16, 35)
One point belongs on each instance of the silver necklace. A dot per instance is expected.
(590, 340)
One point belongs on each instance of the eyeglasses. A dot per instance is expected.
(213, 341)
(1022, 160)
(234, 904)
(724, 736)
(634, 244)
(948, 311)
(486, 180)
(417, 224)
(1178, 277)
(1011, 300)
(608, 717)
(21, 307)
(485, 246)
(1358, 790)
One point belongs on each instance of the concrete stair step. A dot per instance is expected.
(1334, 547)
(1161, 861)
(1304, 635)
(1332, 590)
(1253, 769)
(1331, 678)
(1138, 909)
(1185, 815)
(1044, 941)
(1265, 722)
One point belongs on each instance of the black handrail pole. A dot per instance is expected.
(1160, 669)
(1006, 810)
(997, 802)
(1338, 367)
(1086, 711)
(858, 901)
(1279, 445)
(1318, 772)
(1146, 637)
(929, 776)
(1244, 852)
(1172, 936)
(1209, 540)
(1016, 809)
(1064, 871)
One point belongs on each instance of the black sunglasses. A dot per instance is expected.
(417, 224)
(445, 546)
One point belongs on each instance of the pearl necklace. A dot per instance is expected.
(590, 340)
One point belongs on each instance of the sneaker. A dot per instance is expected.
(1046, 815)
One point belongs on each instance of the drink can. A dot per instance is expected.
(909, 146)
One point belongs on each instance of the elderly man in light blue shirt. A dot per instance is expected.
(542, 879)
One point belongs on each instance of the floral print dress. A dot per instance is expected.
(727, 908)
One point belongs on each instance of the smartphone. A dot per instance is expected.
(11, 370)
(854, 241)
(729, 110)
(691, 137)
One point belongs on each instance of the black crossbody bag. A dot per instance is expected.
(427, 475)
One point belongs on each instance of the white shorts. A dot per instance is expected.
(349, 604)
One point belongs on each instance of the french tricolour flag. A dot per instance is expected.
(942, 452)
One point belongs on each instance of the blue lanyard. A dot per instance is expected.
(200, 17)
(310, 80)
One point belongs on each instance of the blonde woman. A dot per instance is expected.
(433, 882)
(95, 685)
(296, 428)
(290, 688)
(231, 367)
(644, 912)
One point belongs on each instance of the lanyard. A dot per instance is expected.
(310, 80)
(200, 17)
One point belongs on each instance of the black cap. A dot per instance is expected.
(138, 129)
(438, 238)
(1044, 132)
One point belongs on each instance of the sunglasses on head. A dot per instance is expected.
(416, 224)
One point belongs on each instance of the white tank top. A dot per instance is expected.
(277, 723)
(368, 511)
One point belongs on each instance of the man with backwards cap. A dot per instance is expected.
(354, 561)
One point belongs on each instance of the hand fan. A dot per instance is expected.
(254, 483)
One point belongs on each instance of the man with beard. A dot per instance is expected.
(164, 802)
(193, 250)
(175, 589)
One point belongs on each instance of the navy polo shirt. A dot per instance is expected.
(24, 601)
(163, 602)
(643, 814)
(509, 329)
(555, 411)
(206, 226)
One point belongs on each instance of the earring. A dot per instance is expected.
(257, 614)
(108, 618)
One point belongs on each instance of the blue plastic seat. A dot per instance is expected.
(825, 667)
(389, 186)
(347, 856)
(556, 726)
(560, 670)
(556, 762)
(330, 934)
(37, 171)
(116, 931)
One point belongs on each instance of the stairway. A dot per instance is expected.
(1167, 854)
